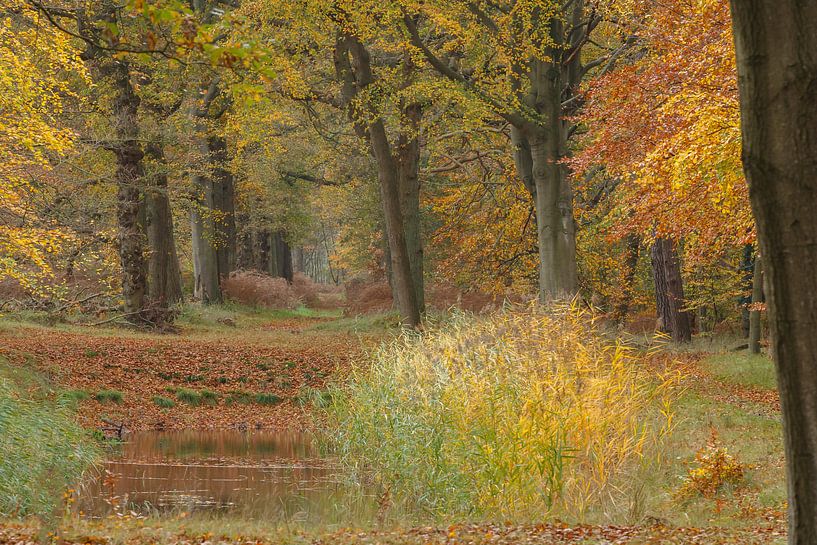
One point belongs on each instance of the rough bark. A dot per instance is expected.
(408, 161)
(206, 285)
(164, 275)
(669, 290)
(754, 315)
(354, 71)
(224, 205)
(776, 46)
(130, 173)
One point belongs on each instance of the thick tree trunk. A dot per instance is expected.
(408, 161)
(206, 281)
(356, 75)
(400, 261)
(223, 205)
(659, 277)
(281, 256)
(130, 173)
(776, 45)
(554, 221)
(754, 315)
(669, 291)
(164, 275)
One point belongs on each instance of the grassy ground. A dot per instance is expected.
(728, 405)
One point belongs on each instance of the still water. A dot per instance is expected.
(252, 475)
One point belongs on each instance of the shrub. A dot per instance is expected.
(43, 451)
(713, 468)
(258, 289)
(191, 397)
(164, 402)
(517, 415)
(265, 398)
(109, 396)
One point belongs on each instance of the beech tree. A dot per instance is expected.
(776, 45)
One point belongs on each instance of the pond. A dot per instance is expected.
(252, 475)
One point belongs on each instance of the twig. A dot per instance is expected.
(72, 303)
(109, 320)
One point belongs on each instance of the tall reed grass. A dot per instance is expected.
(523, 414)
(43, 451)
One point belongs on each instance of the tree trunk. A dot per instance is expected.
(298, 260)
(408, 161)
(747, 285)
(776, 45)
(400, 261)
(669, 291)
(659, 277)
(223, 205)
(754, 315)
(206, 285)
(164, 275)
(357, 75)
(282, 256)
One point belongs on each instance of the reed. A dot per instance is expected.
(523, 414)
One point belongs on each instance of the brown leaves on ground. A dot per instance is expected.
(235, 369)
(476, 534)
(750, 398)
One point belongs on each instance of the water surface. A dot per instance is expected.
(253, 475)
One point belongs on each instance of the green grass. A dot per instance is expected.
(75, 395)
(266, 398)
(240, 397)
(164, 402)
(208, 397)
(109, 396)
(43, 450)
(744, 369)
(190, 397)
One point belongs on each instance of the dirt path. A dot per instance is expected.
(242, 378)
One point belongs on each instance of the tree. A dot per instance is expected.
(777, 67)
(524, 61)
(34, 63)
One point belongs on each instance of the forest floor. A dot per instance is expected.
(257, 366)
(223, 368)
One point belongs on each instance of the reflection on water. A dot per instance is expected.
(255, 475)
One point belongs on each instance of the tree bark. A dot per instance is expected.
(223, 205)
(130, 173)
(669, 291)
(745, 299)
(776, 46)
(280, 256)
(164, 275)
(408, 161)
(754, 314)
(354, 75)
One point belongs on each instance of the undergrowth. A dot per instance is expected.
(519, 415)
(43, 451)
